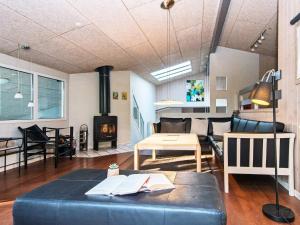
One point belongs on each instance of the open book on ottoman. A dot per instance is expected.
(124, 185)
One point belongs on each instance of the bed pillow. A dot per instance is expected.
(199, 127)
(220, 128)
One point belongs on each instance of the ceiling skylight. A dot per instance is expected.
(173, 71)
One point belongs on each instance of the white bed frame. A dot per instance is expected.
(259, 170)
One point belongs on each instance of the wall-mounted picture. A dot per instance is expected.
(115, 95)
(124, 95)
(195, 90)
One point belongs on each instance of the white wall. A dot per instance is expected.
(241, 69)
(177, 91)
(120, 82)
(145, 94)
(84, 102)
(9, 128)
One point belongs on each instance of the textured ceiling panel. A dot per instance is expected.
(112, 17)
(190, 16)
(190, 41)
(243, 34)
(153, 21)
(145, 54)
(246, 20)
(60, 48)
(78, 35)
(7, 46)
(135, 3)
(17, 28)
(45, 60)
(258, 11)
(55, 15)
(232, 15)
(93, 40)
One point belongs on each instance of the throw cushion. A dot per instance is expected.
(172, 127)
(199, 127)
(221, 128)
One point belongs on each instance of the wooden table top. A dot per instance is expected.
(169, 140)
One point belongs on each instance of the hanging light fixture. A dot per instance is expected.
(31, 102)
(167, 5)
(18, 95)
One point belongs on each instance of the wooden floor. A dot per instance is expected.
(243, 203)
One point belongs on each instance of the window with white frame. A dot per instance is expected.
(221, 83)
(29, 96)
(16, 92)
(50, 98)
(221, 105)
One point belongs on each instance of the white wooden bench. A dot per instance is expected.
(263, 169)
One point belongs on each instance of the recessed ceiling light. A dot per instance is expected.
(172, 71)
(78, 24)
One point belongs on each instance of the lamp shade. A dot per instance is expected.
(18, 95)
(30, 104)
(261, 94)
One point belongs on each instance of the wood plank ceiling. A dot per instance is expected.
(78, 35)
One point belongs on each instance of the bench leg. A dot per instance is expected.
(136, 158)
(226, 182)
(291, 185)
(198, 158)
(153, 154)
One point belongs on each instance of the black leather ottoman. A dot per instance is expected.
(195, 201)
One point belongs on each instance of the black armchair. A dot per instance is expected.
(37, 142)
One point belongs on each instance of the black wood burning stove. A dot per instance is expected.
(105, 130)
(105, 126)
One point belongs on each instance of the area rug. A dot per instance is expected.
(176, 163)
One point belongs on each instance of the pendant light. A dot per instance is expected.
(18, 95)
(31, 102)
(167, 5)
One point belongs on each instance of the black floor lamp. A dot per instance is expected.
(264, 93)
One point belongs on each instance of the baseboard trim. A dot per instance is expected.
(15, 165)
(284, 184)
(297, 194)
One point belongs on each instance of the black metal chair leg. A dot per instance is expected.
(5, 161)
(45, 153)
(19, 161)
(71, 142)
(56, 148)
